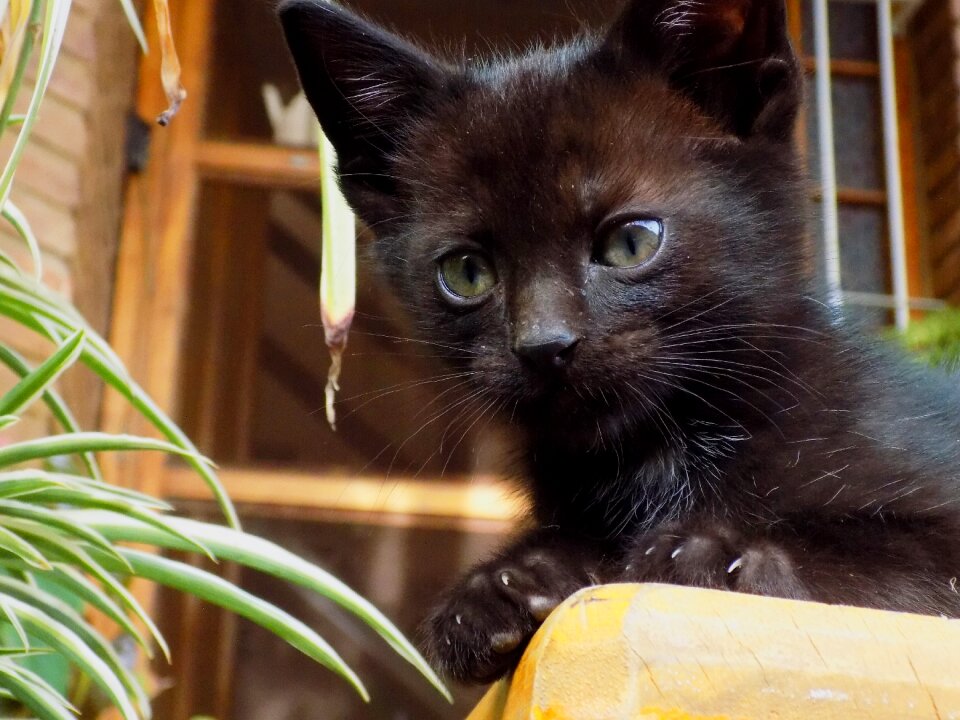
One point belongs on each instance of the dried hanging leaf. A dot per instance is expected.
(169, 64)
(13, 34)
(338, 285)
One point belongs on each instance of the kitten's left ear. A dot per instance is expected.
(732, 57)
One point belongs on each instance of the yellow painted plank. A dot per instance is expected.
(659, 652)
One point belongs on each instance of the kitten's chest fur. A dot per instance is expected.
(861, 440)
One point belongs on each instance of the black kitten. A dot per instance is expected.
(613, 232)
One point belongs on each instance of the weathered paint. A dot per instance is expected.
(659, 652)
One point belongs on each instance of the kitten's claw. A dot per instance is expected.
(540, 606)
(710, 554)
(482, 629)
(505, 642)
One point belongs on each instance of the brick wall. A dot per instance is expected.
(70, 184)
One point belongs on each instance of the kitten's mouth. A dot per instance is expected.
(574, 411)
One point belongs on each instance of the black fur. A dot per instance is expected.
(716, 423)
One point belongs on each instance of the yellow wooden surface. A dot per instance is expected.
(659, 652)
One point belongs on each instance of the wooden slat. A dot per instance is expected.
(795, 24)
(944, 238)
(479, 497)
(856, 196)
(943, 167)
(152, 279)
(150, 297)
(849, 68)
(947, 272)
(258, 164)
(917, 274)
(942, 205)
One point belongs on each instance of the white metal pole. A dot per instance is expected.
(891, 155)
(828, 168)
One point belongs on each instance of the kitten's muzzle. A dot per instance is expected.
(547, 351)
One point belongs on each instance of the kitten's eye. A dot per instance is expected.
(466, 275)
(630, 244)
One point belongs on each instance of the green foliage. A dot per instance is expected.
(935, 338)
(62, 528)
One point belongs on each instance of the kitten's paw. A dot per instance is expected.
(481, 630)
(714, 556)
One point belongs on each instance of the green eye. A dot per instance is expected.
(466, 275)
(630, 244)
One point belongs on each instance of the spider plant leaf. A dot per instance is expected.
(34, 693)
(218, 591)
(269, 558)
(115, 491)
(16, 624)
(34, 307)
(91, 500)
(12, 214)
(59, 611)
(18, 488)
(169, 63)
(133, 19)
(70, 443)
(46, 525)
(7, 421)
(146, 406)
(55, 544)
(54, 25)
(37, 382)
(70, 553)
(31, 481)
(16, 545)
(338, 272)
(17, 56)
(66, 642)
(55, 404)
(19, 652)
(80, 585)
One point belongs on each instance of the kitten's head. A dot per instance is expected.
(574, 218)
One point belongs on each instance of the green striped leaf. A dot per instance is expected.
(65, 641)
(265, 556)
(218, 591)
(36, 383)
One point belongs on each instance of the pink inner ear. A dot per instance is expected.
(732, 17)
(725, 22)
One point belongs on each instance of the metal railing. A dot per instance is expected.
(899, 300)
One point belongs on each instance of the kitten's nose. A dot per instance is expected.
(547, 350)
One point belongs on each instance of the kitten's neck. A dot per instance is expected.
(642, 478)
(688, 452)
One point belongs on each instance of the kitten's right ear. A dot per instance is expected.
(365, 86)
(732, 57)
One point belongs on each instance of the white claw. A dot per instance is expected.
(448, 641)
(735, 565)
(676, 552)
(459, 619)
(650, 550)
(505, 578)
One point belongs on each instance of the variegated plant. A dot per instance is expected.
(63, 529)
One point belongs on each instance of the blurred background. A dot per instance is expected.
(196, 248)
